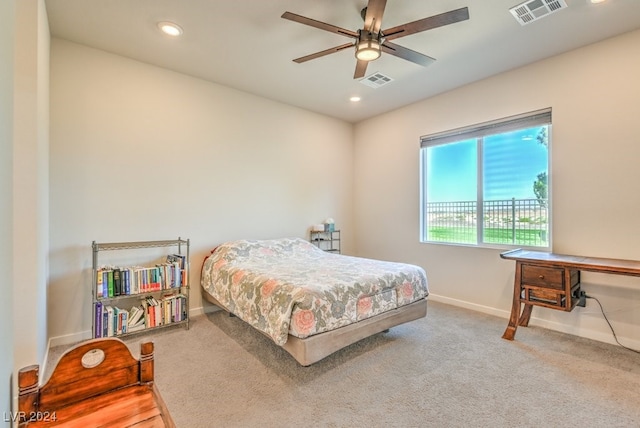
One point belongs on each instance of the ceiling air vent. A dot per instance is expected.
(376, 80)
(533, 10)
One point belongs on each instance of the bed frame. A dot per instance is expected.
(314, 348)
(97, 383)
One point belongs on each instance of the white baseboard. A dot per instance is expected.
(201, 310)
(468, 305)
(68, 339)
(71, 339)
(587, 333)
(600, 336)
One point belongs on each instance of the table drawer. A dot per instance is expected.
(543, 276)
(545, 296)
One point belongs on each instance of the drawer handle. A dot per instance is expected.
(541, 276)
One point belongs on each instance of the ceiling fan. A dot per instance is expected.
(371, 41)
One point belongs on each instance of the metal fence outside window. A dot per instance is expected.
(507, 221)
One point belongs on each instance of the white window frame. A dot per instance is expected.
(512, 123)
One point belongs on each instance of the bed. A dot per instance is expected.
(308, 301)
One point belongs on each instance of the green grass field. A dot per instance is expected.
(523, 237)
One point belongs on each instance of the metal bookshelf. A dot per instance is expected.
(328, 241)
(130, 300)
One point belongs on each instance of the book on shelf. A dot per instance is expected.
(147, 279)
(99, 285)
(102, 290)
(136, 319)
(180, 260)
(97, 326)
(177, 258)
(124, 320)
(136, 327)
(150, 305)
(171, 275)
(102, 282)
(174, 307)
(136, 316)
(113, 321)
(110, 326)
(105, 321)
(126, 281)
(110, 283)
(150, 312)
(120, 320)
(117, 282)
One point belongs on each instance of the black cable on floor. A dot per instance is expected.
(610, 326)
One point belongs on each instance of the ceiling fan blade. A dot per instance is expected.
(373, 17)
(361, 69)
(323, 53)
(408, 54)
(321, 25)
(435, 21)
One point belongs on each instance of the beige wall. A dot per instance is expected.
(143, 153)
(249, 167)
(241, 166)
(24, 139)
(594, 93)
(30, 175)
(7, 35)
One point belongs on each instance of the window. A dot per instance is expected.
(487, 184)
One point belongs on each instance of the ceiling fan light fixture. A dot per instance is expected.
(368, 46)
(372, 39)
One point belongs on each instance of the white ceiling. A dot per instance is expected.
(246, 45)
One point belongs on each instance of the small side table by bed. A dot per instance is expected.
(553, 281)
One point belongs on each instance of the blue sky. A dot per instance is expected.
(512, 163)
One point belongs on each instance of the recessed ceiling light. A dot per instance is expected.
(170, 28)
(597, 1)
(354, 99)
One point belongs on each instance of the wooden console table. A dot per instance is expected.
(553, 281)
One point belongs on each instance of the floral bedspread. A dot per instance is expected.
(289, 286)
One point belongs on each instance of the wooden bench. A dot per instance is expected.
(95, 384)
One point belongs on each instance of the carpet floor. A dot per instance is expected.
(450, 369)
